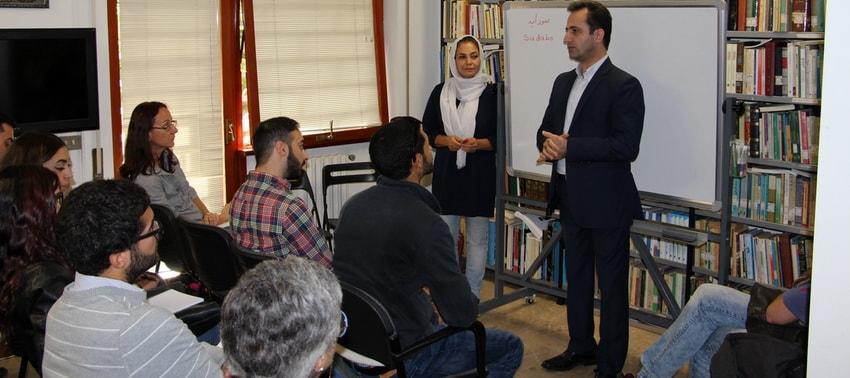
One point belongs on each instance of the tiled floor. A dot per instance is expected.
(543, 328)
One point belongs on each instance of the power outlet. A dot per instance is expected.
(74, 142)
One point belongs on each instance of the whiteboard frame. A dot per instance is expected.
(720, 178)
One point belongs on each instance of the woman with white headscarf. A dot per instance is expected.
(460, 120)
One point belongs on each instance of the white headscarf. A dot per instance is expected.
(459, 120)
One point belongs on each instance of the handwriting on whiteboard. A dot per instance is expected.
(539, 37)
(538, 21)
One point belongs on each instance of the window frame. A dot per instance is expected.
(322, 139)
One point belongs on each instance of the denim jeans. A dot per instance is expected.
(456, 354)
(477, 229)
(212, 336)
(712, 313)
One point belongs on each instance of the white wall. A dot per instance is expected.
(77, 14)
(411, 73)
(829, 330)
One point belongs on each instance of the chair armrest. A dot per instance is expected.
(480, 343)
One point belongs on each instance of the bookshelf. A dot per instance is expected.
(773, 93)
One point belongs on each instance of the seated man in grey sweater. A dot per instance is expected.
(102, 325)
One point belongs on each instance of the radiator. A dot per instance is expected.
(337, 194)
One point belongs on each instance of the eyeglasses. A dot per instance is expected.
(166, 125)
(343, 323)
(155, 231)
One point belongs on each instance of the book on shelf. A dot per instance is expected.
(522, 248)
(662, 248)
(782, 132)
(769, 257)
(482, 20)
(776, 15)
(775, 68)
(777, 196)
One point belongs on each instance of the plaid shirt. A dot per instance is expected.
(266, 217)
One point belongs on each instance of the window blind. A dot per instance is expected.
(316, 62)
(170, 51)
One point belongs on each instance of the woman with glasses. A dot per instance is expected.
(150, 163)
(46, 150)
(460, 120)
(34, 271)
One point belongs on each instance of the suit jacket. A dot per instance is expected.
(604, 138)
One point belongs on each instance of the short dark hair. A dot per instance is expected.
(280, 317)
(270, 132)
(138, 157)
(100, 218)
(394, 146)
(598, 16)
(32, 148)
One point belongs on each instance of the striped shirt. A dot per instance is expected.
(266, 217)
(106, 328)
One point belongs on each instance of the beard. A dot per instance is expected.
(140, 263)
(293, 167)
(427, 167)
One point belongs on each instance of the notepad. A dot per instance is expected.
(174, 301)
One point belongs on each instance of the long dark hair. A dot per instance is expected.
(32, 148)
(27, 227)
(138, 158)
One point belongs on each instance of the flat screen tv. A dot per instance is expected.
(48, 79)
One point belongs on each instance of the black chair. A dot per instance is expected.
(341, 174)
(371, 333)
(248, 258)
(173, 246)
(215, 264)
(303, 183)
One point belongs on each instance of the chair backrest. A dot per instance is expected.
(371, 332)
(341, 174)
(173, 246)
(248, 258)
(216, 266)
(303, 183)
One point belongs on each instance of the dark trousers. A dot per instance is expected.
(604, 251)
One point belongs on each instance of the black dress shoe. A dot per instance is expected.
(568, 360)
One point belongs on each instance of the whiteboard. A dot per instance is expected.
(673, 48)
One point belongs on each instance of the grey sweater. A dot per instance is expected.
(110, 331)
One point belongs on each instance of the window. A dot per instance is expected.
(313, 61)
(170, 51)
(316, 63)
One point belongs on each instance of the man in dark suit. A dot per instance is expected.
(591, 133)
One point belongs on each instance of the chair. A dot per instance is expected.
(248, 258)
(215, 264)
(341, 174)
(371, 333)
(173, 247)
(303, 183)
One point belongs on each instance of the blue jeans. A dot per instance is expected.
(712, 313)
(212, 336)
(456, 354)
(477, 230)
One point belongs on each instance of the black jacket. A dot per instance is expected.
(604, 138)
(391, 243)
(41, 285)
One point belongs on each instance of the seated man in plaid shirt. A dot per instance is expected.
(265, 216)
